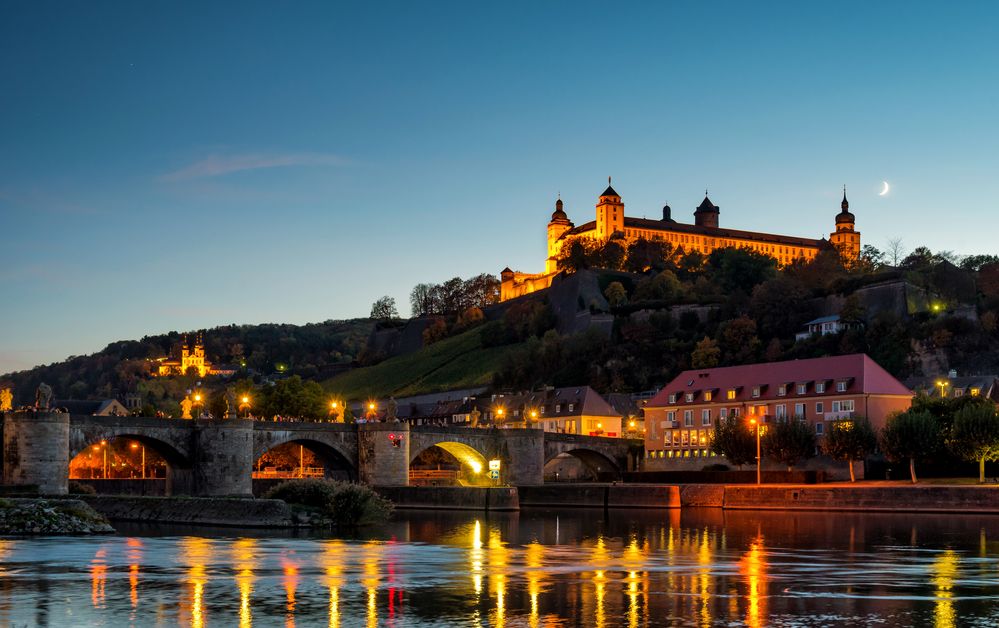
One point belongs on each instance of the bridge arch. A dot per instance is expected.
(123, 461)
(599, 465)
(473, 463)
(337, 464)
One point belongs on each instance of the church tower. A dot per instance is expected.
(557, 226)
(610, 214)
(846, 238)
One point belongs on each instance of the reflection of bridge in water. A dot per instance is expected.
(217, 457)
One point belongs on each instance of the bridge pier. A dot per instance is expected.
(383, 454)
(223, 458)
(36, 450)
(525, 454)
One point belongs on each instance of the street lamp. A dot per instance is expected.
(755, 424)
(942, 383)
(198, 404)
(136, 446)
(499, 415)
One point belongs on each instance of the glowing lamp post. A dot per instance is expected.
(942, 383)
(756, 425)
(244, 405)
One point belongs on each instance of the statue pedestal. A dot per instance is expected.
(36, 450)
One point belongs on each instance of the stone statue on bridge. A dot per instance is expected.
(474, 417)
(392, 410)
(230, 403)
(6, 400)
(43, 397)
(185, 408)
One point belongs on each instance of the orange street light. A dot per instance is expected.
(759, 474)
(135, 445)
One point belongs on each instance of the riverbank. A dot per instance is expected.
(866, 497)
(32, 516)
(212, 511)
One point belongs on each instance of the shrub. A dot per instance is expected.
(344, 503)
(79, 488)
(716, 467)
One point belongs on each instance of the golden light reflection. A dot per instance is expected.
(98, 578)
(599, 558)
(290, 570)
(134, 556)
(332, 562)
(944, 570)
(534, 556)
(475, 557)
(753, 569)
(196, 552)
(633, 608)
(498, 559)
(704, 559)
(244, 556)
(372, 567)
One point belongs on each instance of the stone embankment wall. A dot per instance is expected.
(601, 495)
(452, 497)
(251, 513)
(876, 498)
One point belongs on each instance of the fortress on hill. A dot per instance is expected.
(703, 236)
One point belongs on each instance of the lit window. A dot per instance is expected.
(707, 395)
(975, 392)
(731, 394)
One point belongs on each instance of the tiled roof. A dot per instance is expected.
(712, 232)
(861, 374)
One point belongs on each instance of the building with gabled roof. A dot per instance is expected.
(680, 419)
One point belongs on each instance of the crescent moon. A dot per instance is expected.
(885, 189)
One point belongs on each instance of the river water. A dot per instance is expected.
(534, 568)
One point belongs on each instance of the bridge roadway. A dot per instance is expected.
(216, 457)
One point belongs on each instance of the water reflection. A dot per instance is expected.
(529, 569)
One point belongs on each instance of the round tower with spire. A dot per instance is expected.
(846, 238)
(557, 226)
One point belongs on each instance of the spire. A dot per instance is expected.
(844, 215)
(610, 191)
(559, 214)
(845, 204)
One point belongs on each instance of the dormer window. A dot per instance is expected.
(689, 397)
(672, 398)
(840, 386)
(730, 394)
(756, 392)
(782, 390)
(975, 392)
(802, 389)
(707, 395)
(820, 387)
(570, 407)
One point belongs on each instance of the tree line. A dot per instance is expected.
(931, 430)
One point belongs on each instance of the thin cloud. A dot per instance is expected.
(218, 165)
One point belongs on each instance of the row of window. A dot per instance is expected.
(686, 453)
(732, 393)
(780, 411)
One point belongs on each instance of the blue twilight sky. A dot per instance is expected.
(172, 166)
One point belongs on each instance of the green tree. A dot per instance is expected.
(384, 309)
(294, 397)
(975, 435)
(911, 435)
(616, 294)
(850, 439)
(789, 442)
(739, 342)
(706, 354)
(780, 307)
(662, 287)
(740, 269)
(734, 440)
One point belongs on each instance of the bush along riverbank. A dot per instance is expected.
(50, 517)
(332, 503)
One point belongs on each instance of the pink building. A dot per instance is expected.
(680, 419)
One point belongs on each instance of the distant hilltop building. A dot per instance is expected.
(192, 355)
(704, 236)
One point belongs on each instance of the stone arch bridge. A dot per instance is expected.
(216, 457)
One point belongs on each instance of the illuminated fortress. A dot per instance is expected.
(703, 236)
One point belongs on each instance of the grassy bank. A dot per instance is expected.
(453, 363)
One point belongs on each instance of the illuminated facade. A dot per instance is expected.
(680, 419)
(703, 236)
(191, 356)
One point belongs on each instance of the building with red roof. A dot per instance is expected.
(680, 419)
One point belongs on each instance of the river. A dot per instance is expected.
(534, 568)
